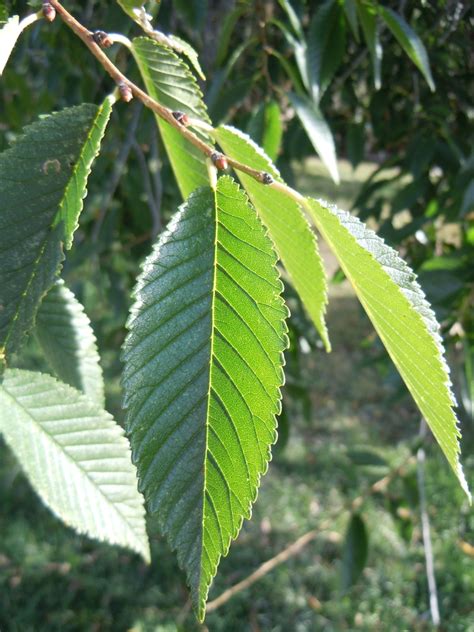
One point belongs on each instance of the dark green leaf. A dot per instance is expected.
(42, 181)
(356, 549)
(202, 377)
(368, 21)
(326, 46)
(409, 41)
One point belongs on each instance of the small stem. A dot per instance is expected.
(167, 115)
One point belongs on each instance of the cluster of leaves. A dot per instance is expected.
(204, 355)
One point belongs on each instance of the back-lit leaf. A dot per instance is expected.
(402, 317)
(265, 127)
(42, 184)
(169, 81)
(292, 236)
(409, 41)
(202, 376)
(68, 342)
(75, 457)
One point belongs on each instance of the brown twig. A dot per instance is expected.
(295, 547)
(121, 80)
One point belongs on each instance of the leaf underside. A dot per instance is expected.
(68, 342)
(168, 80)
(401, 315)
(39, 181)
(75, 456)
(202, 377)
(293, 238)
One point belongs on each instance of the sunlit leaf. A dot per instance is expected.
(266, 128)
(404, 320)
(202, 377)
(292, 236)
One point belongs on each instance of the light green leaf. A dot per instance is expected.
(292, 236)
(368, 21)
(68, 342)
(42, 180)
(266, 128)
(183, 47)
(132, 7)
(202, 377)
(326, 45)
(409, 41)
(170, 82)
(318, 132)
(75, 456)
(404, 320)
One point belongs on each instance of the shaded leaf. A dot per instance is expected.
(368, 21)
(350, 9)
(292, 236)
(356, 549)
(168, 80)
(75, 456)
(409, 41)
(326, 45)
(68, 342)
(227, 28)
(3, 13)
(404, 320)
(202, 377)
(318, 132)
(292, 18)
(42, 181)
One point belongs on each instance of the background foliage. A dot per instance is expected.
(417, 190)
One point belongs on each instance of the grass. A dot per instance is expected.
(53, 579)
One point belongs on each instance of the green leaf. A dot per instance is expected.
(42, 180)
(356, 549)
(326, 46)
(396, 305)
(292, 236)
(169, 80)
(292, 17)
(266, 129)
(225, 32)
(318, 132)
(68, 342)
(75, 456)
(202, 377)
(9, 33)
(368, 21)
(3, 12)
(350, 9)
(132, 7)
(183, 47)
(409, 41)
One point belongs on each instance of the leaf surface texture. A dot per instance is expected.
(202, 377)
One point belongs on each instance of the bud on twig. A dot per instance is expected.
(125, 91)
(181, 117)
(219, 160)
(266, 178)
(102, 39)
(49, 12)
